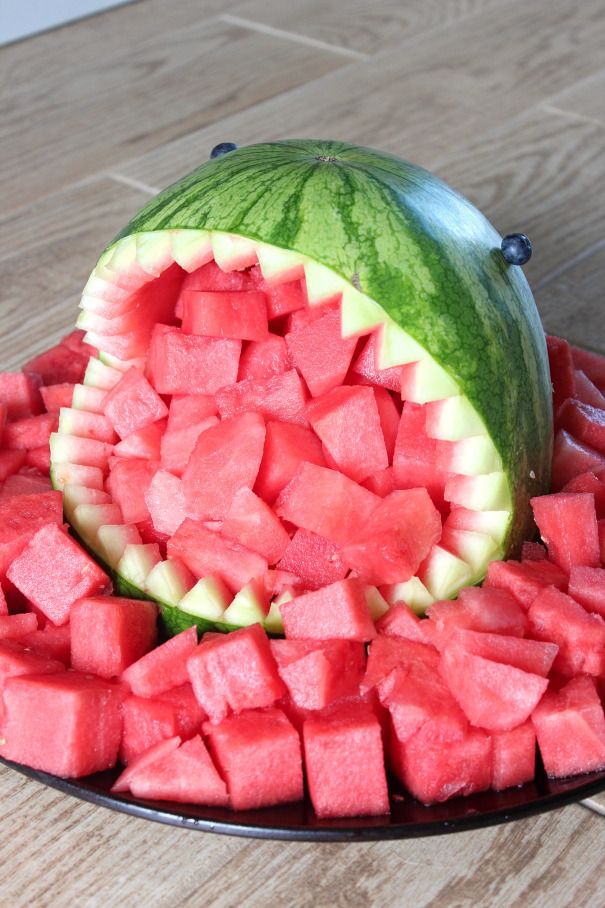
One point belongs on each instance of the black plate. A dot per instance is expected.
(297, 821)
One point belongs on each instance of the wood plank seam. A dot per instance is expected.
(572, 115)
(132, 182)
(264, 29)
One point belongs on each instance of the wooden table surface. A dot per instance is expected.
(505, 99)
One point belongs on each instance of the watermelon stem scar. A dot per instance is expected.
(445, 333)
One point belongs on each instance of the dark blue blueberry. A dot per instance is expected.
(516, 248)
(222, 148)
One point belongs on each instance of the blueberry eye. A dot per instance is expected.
(516, 248)
(222, 148)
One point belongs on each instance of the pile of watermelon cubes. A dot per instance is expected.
(347, 707)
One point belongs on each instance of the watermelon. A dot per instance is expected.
(108, 633)
(149, 720)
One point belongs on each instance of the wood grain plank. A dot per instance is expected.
(47, 253)
(358, 25)
(584, 99)
(81, 119)
(425, 97)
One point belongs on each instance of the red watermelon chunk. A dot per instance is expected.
(241, 315)
(145, 444)
(396, 538)
(127, 484)
(532, 656)
(480, 609)
(588, 482)
(282, 298)
(339, 610)
(108, 633)
(570, 458)
(389, 419)
(366, 371)
(162, 748)
(568, 525)
(51, 642)
(10, 463)
(513, 756)
(415, 456)
(317, 672)
(587, 586)
(344, 762)
(225, 458)
(39, 458)
(54, 584)
(20, 394)
(533, 551)
(588, 392)
(320, 353)
(381, 483)
(493, 695)
(185, 774)
(579, 635)
(181, 363)
(584, 423)
(165, 499)
(253, 524)
(67, 724)
(56, 396)
(17, 658)
(16, 627)
(401, 621)
(163, 667)
(205, 551)
(18, 525)
(262, 359)
(562, 371)
(234, 672)
(434, 773)
(258, 754)
(388, 653)
(286, 447)
(59, 364)
(570, 727)
(186, 409)
(347, 421)
(133, 404)
(524, 580)
(280, 397)
(327, 503)
(30, 431)
(592, 364)
(314, 560)
(210, 277)
(147, 721)
(176, 446)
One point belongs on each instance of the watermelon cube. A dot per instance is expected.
(162, 668)
(570, 728)
(280, 397)
(592, 364)
(16, 658)
(580, 636)
(177, 445)
(283, 298)
(39, 459)
(206, 551)
(185, 774)
(327, 503)
(381, 483)
(318, 672)
(588, 392)
(52, 642)
(533, 551)
(387, 653)
(11, 462)
(529, 655)
(570, 458)
(128, 483)
(415, 456)
(477, 608)
(241, 315)
(339, 610)
(366, 371)
(262, 359)
(165, 500)
(401, 621)
(435, 772)
(588, 482)
(16, 627)
(67, 724)
(320, 354)
(258, 754)
(587, 586)
(59, 364)
(147, 721)
(396, 538)
(524, 580)
(108, 633)
(188, 364)
(315, 561)
(133, 404)
(562, 371)
(347, 421)
(210, 277)
(344, 763)
(234, 672)
(19, 524)
(252, 523)
(56, 396)
(286, 447)
(29, 431)
(493, 695)
(225, 458)
(53, 583)
(20, 394)
(513, 756)
(188, 409)
(584, 423)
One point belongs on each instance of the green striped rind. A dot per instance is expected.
(411, 243)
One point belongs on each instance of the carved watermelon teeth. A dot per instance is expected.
(111, 313)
